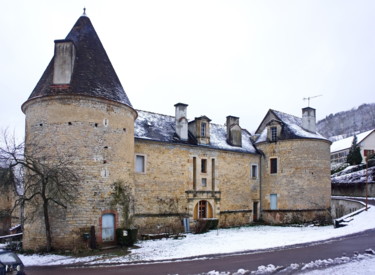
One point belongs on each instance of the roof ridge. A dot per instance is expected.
(155, 113)
(284, 113)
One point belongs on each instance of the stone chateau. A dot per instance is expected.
(175, 171)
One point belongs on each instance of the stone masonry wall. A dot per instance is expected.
(302, 182)
(96, 137)
(167, 192)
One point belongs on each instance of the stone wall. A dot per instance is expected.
(341, 207)
(302, 183)
(173, 184)
(353, 189)
(95, 137)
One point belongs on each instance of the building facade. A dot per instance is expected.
(169, 168)
(340, 148)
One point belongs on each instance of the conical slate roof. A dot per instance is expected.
(93, 74)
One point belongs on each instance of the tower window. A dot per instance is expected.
(273, 165)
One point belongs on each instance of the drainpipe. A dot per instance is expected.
(260, 185)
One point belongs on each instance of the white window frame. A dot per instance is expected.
(140, 170)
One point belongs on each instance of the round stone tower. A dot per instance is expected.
(79, 114)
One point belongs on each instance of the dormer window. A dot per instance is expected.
(200, 129)
(273, 133)
(203, 129)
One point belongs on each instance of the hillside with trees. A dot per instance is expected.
(347, 123)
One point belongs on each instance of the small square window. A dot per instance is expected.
(204, 182)
(140, 164)
(204, 166)
(273, 165)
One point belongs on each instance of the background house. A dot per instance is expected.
(340, 149)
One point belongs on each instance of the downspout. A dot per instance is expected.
(260, 184)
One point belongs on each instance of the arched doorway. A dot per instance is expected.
(202, 210)
(108, 227)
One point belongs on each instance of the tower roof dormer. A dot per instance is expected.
(80, 66)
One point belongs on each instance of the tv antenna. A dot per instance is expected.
(310, 97)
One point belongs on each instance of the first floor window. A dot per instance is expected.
(273, 165)
(140, 164)
(273, 201)
(254, 171)
(204, 166)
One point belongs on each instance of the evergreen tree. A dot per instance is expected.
(354, 157)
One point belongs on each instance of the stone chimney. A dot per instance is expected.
(181, 121)
(234, 131)
(309, 119)
(63, 62)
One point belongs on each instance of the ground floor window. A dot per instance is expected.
(273, 201)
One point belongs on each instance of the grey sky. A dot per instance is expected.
(222, 58)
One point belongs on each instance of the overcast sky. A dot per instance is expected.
(237, 58)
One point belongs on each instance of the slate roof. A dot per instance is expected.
(292, 128)
(158, 127)
(93, 74)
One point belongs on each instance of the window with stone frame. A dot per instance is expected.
(273, 165)
(203, 129)
(273, 133)
(140, 164)
(254, 171)
(273, 201)
(204, 182)
(203, 165)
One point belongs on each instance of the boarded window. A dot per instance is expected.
(140, 164)
(273, 165)
(273, 201)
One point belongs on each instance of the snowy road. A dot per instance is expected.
(260, 239)
(283, 258)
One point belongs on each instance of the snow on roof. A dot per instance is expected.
(293, 128)
(345, 143)
(158, 127)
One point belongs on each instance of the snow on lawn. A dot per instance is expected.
(218, 241)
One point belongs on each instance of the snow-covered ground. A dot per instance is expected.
(224, 241)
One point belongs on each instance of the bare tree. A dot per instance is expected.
(48, 179)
